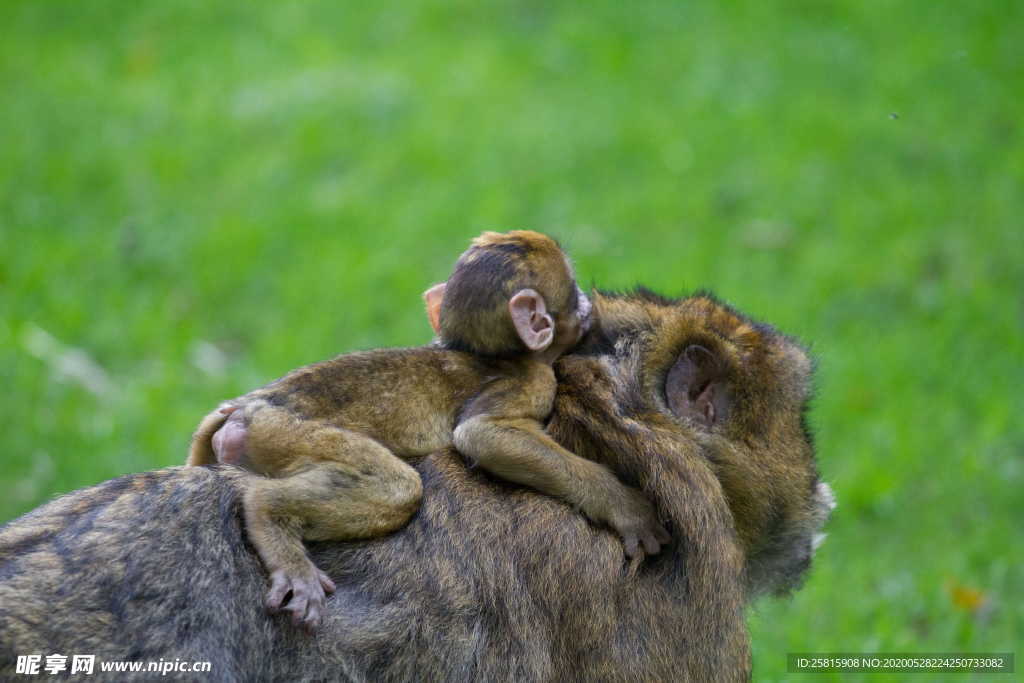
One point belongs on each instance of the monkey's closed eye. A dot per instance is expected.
(696, 388)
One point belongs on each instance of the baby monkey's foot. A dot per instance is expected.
(307, 588)
(229, 441)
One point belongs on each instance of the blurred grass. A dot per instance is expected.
(198, 196)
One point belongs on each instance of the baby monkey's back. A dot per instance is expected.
(407, 399)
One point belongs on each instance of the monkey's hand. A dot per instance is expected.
(307, 590)
(634, 518)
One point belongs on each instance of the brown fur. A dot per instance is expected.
(330, 438)
(489, 581)
(763, 454)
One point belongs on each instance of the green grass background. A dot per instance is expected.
(198, 196)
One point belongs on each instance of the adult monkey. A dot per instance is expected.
(688, 400)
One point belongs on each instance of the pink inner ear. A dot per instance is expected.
(694, 387)
(705, 403)
(531, 320)
(433, 298)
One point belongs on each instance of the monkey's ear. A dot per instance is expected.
(433, 298)
(696, 387)
(531, 319)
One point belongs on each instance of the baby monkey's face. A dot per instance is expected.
(584, 310)
(570, 326)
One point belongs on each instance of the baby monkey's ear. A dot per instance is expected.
(433, 298)
(531, 319)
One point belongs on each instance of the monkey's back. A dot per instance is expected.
(406, 398)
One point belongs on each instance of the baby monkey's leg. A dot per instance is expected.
(346, 486)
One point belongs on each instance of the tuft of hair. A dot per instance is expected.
(474, 312)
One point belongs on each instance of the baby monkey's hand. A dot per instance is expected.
(608, 501)
(636, 521)
(307, 589)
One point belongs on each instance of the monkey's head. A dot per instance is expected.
(735, 392)
(510, 294)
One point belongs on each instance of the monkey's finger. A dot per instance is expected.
(326, 583)
(662, 535)
(631, 542)
(298, 607)
(651, 545)
(312, 620)
(279, 588)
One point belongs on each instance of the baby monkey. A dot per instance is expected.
(331, 439)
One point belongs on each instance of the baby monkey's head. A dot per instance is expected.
(510, 294)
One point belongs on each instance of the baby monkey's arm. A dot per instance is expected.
(502, 429)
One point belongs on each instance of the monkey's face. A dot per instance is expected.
(572, 325)
(584, 313)
(572, 308)
(734, 393)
